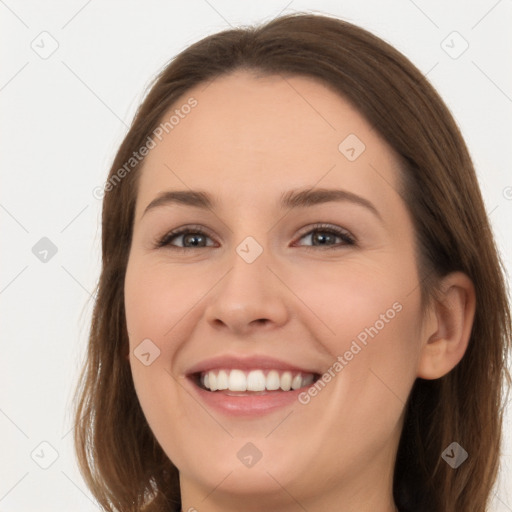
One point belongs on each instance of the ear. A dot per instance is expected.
(447, 328)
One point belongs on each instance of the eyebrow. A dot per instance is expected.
(292, 199)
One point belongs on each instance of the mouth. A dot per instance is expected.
(249, 387)
(236, 382)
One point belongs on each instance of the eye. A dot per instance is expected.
(323, 234)
(188, 235)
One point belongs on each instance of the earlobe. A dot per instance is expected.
(448, 328)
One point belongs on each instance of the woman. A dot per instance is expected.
(301, 305)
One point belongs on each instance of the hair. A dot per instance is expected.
(120, 459)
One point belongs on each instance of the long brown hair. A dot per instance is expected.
(120, 459)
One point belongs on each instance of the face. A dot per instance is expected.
(297, 280)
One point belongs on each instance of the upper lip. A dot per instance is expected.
(246, 363)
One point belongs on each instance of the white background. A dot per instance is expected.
(63, 118)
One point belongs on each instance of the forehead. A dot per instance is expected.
(250, 138)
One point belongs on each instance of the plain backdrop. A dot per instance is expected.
(72, 75)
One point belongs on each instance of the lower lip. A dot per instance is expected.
(247, 405)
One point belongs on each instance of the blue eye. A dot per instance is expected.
(189, 234)
(322, 234)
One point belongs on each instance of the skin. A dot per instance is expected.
(247, 141)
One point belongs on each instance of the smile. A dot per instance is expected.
(238, 380)
(249, 386)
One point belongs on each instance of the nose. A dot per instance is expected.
(249, 297)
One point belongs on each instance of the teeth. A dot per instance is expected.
(296, 382)
(254, 380)
(308, 380)
(222, 380)
(213, 381)
(286, 381)
(237, 381)
(273, 380)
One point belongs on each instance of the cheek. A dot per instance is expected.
(156, 297)
(355, 298)
(368, 319)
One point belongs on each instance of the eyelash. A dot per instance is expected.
(197, 230)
